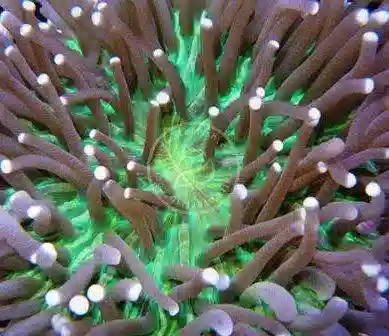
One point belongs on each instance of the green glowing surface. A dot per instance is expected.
(180, 160)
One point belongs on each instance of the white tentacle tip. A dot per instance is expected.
(44, 26)
(28, 6)
(46, 255)
(224, 282)
(64, 101)
(224, 326)
(276, 167)
(108, 184)
(101, 173)
(373, 189)
(96, 293)
(380, 17)
(362, 16)
(25, 30)
(337, 143)
(368, 85)
(154, 103)
(311, 203)
(43, 79)
(313, 8)
(240, 191)
(89, 150)
(3, 16)
(65, 330)
(107, 255)
(34, 211)
(101, 5)
(206, 23)
(127, 193)
(79, 305)
(131, 165)
(255, 103)
(58, 321)
(322, 167)
(22, 137)
(114, 60)
(97, 18)
(53, 298)
(351, 181)
(314, 116)
(260, 92)
(59, 59)
(213, 111)
(6, 166)
(274, 44)
(382, 284)
(352, 213)
(158, 53)
(210, 276)
(371, 270)
(93, 133)
(135, 291)
(76, 12)
(163, 98)
(9, 50)
(370, 37)
(277, 145)
(174, 310)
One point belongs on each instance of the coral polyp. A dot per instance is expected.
(194, 167)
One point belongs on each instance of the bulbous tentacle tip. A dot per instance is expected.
(311, 203)
(96, 293)
(26, 30)
(79, 305)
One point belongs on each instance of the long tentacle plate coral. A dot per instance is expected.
(194, 167)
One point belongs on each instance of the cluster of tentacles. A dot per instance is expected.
(102, 113)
